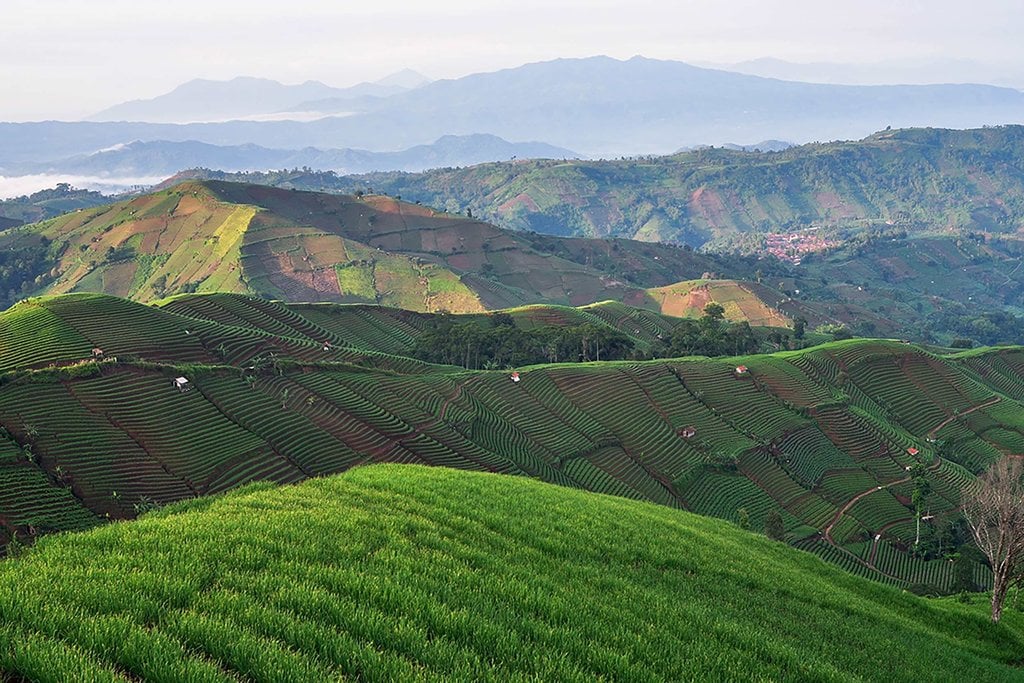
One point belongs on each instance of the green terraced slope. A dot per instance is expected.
(412, 573)
(922, 178)
(835, 437)
(304, 246)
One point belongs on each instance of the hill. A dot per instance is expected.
(45, 204)
(835, 438)
(411, 573)
(917, 179)
(750, 301)
(299, 246)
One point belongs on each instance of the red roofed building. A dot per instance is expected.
(913, 451)
(741, 370)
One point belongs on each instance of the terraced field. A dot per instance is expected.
(280, 393)
(309, 247)
(748, 301)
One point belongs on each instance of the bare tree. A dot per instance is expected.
(994, 508)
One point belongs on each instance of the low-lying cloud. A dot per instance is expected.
(17, 186)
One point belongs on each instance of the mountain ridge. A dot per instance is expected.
(207, 100)
(637, 106)
(302, 246)
(161, 157)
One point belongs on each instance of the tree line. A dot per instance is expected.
(502, 344)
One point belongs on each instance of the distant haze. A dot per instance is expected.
(24, 185)
(65, 60)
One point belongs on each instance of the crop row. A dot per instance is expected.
(158, 416)
(31, 334)
(808, 454)
(104, 465)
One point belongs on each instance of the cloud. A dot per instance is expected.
(16, 186)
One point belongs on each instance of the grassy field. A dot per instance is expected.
(413, 573)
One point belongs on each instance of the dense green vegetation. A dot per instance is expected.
(410, 573)
(823, 436)
(24, 269)
(505, 345)
(502, 343)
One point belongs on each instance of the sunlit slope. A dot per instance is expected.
(304, 246)
(411, 573)
(750, 301)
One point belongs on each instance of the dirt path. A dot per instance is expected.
(850, 503)
(853, 501)
(878, 536)
(827, 533)
(986, 404)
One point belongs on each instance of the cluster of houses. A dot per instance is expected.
(792, 246)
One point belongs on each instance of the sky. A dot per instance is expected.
(65, 59)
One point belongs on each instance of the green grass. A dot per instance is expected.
(411, 573)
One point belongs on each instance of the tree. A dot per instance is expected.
(799, 326)
(774, 528)
(917, 498)
(994, 509)
(715, 311)
(743, 518)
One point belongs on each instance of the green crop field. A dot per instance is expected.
(283, 392)
(412, 573)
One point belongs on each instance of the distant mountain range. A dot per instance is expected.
(165, 158)
(892, 72)
(203, 100)
(596, 106)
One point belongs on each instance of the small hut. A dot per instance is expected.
(97, 353)
(514, 376)
(688, 432)
(913, 451)
(742, 370)
(182, 384)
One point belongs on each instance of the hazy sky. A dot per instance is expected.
(67, 58)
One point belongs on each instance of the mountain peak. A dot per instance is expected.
(406, 79)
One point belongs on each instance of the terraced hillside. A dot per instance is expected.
(750, 301)
(921, 178)
(411, 573)
(835, 438)
(302, 246)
